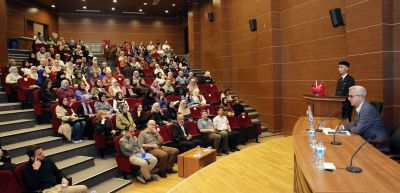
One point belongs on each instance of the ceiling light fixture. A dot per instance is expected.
(144, 3)
(155, 2)
(173, 5)
(114, 1)
(84, 7)
(113, 8)
(140, 10)
(166, 11)
(53, 6)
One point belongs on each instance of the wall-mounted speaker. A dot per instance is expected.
(253, 24)
(210, 16)
(336, 17)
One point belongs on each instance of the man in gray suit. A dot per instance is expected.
(368, 122)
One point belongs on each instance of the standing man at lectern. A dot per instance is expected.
(342, 88)
(368, 122)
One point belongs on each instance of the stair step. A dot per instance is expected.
(16, 124)
(16, 136)
(3, 97)
(67, 150)
(253, 114)
(100, 172)
(10, 115)
(19, 51)
(255, 121)
(249, 109)
(9, 106)
(75, 164)
(111, 185)
(18, 149)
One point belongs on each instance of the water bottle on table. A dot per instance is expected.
(320, 155)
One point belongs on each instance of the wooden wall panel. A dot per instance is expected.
(18, 14)
(3, 34)
(295, 44)
(119, 29)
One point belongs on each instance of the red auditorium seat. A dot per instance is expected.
(114, 121)
(37, 106)
(19, 175)
(212, 88)
(202, 88)
(211, 110)
(212, 98)
(8, 182)
(55, 122)
(250, 129)
(131, 103)
(148, 80)
(24, 84)
(173, 98)
(100, 140)
(233, 122)
(195, 112)
(123, 163)
(120, 78)
(75, 105)
(192, 127)
(148, 72)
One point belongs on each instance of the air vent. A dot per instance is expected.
(155, 2)
(134, 12)
(88, 10)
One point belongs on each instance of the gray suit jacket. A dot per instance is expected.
(369, 125)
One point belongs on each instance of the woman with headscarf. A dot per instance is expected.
(124, 118)
(171, 112)
(160, 78)
(226, 106)
(148, 100)
(196, 98)
(184, 110)
(68, 116)
(86, 111)
(98, 87)
(141, 88)
(102, 103)
(157, 115)
(65, 91)
(78, 79)
(181, 79)
(135, 77)
(81, 91)
(127, 89)
(32, 59)
(168, 88)
(108, 79)
(59, 78)
(56, 67)
(192, 85)
(13, 76)
(140, 117)
(33, 73)
(114, 88)
(118, 100)
(47, 95)
(161, 100)
(207, 79)
(69, 70)
(155, 87)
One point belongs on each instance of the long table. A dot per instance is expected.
(380, 173)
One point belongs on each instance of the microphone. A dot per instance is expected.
(334, 142)
(351, 168)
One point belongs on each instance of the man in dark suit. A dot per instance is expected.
(368, 122)
(182, 136)
(342, 88)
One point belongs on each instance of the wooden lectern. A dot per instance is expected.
(325, 106)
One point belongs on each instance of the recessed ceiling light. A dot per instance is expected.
(84, 7)
(53, 6)
(83, 0)
(166, 11)
(114, 1)
(140, 10)
(145, 3)
(173, 5)
(113, 8)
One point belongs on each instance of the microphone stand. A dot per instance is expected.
(334, 142)
(351, 168)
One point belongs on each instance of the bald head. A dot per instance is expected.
(151, 125)
(180, 118)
